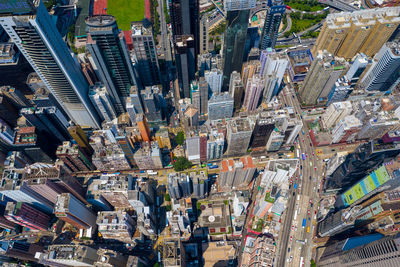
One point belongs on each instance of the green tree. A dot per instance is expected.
(180, 138)
(168, 208)
(182, 163)
(167, 197)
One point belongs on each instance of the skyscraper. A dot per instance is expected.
(34, 33)
(384, 73)
(272, 22)
(102, 102)
(238, 136)
(71, 210)
(145, 52)
(324, 72)
(345, 34)
(108, 49)
(143, 127)
(236, 89)
(254, 89)
(220, 106)
(274, 69)
(214, 80)
(185, 62)
(185, 21)
(25, 215)
(237, 16)
(81, 139)
(204, 34)
(74, 157)
(371, 250)
(199, 95)
(262, 131)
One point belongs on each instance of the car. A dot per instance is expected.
(309, 218)
(301, 167)
(293, 193)
(291, 238)
(310, 179)
(292, 227)
(315, 168)
(313, 153)
(312, 204)
(308, 212)
(302, 140)
(310, 199)
(315, 212)
(288, 250)
(310, 144)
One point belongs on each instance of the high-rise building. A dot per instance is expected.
(50, 180)
(192, 144)
(145, 51)
(359, 164)
(69, 209)
(36, 36)
(116, 225)
(143, 127)
(179, 185)
(214, 80)
(236, 90)
(8, 111)
(272, 22)
(152, 103)
(250, 68)
(20, 250)
(238, 136)
(358, 66)
(162, 137)
(370, 250)
(334, 113)
(254, 89)
(237, 16)
(215, 145)
(345, 34)
(274, 69)
(134, 104)
(81, 139)
(384, 73)
(70, 255)
(199, 95)
(25, 215)
(204, 35)
(346, 129)
(200, 184)
(108, 49)
(185, 62)
(101, 100)
(236, 174)
(185, 21)
(324, 72)
(13, 187)
(220, 106)
(262, 131)
(74, 157)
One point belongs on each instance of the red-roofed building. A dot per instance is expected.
(128, 39)
(236, 174)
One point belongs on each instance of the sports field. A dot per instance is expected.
(126, 11)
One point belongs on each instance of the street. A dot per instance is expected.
(301, 206)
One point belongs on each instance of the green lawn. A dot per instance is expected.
(305, 5)
(126, 11)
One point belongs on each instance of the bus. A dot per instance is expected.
(301, 262)
(303, 156)
(295, 215)
(304, 223)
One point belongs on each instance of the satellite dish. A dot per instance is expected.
(211, 218)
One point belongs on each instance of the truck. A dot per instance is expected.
(303, 156)
(152, 173)
(213, 167)
(304, 223)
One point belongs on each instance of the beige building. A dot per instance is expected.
(324, 72)
(347, 33)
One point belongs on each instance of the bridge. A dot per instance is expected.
(339, 5)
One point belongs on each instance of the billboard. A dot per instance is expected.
(16, 6)
(366, 185)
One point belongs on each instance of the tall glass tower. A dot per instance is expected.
(237, 16)
(31, 28)
(272, 22)
(109, 51)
